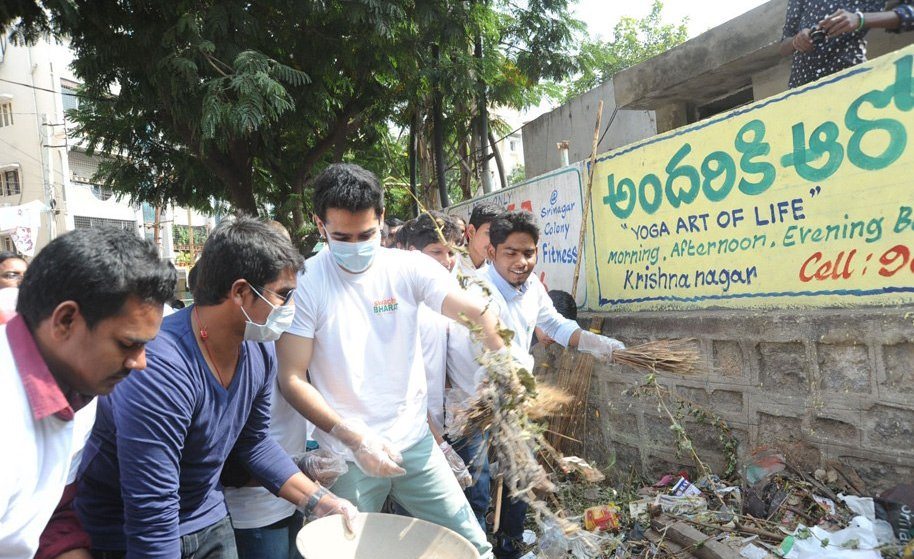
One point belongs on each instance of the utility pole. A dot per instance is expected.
(47, 167)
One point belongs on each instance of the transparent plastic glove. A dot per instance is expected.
(597, 345)
(324, 503)
(457, 465)
(321, 465)
(372, 455)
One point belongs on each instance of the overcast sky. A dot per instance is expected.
(601, 15)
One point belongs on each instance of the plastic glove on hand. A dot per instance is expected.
(457, 465)
(599, 346)
(371, 454)
(321, 465)
(328, 504)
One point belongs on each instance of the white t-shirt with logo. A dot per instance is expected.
(367, 362)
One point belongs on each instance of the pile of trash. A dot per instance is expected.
(771, 510)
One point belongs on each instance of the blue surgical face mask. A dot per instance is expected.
(279, 320)
(355, 257)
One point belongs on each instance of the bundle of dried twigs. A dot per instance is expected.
(679, 357)
(504, 406)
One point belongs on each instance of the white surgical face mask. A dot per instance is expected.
(278, 321)
(355, 257)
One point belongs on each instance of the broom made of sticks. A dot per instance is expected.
(679, 357)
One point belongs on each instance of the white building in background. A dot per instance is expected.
(41, 161)
(510, 147)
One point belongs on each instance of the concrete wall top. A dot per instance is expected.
(756, 30)
(574, 122)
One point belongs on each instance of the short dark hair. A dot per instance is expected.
(347, 186)
(393, 222)
(99, 269)
(192, 277)
(243, 248)
(425, 230)
(404, 233)
(6, 255)
(513, 222)
(564, 303)
(484, 213)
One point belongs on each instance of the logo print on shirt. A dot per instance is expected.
(385, 305)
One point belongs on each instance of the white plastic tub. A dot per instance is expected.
(381, 536)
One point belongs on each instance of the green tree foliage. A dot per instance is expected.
(527, 48)
(517, 176)
(202, 103)
(633, 41)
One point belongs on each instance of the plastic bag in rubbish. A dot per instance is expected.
(857, 541)
(553, 542)
(866, 507)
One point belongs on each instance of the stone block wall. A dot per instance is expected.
(823, 385)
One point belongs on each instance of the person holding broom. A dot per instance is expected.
(522, 304)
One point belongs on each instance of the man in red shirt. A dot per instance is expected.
(87, 306)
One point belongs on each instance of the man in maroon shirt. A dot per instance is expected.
(87, 306)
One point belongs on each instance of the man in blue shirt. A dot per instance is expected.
(149, 483)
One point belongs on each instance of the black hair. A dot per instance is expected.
(192, 277)
(484, 213)
(6, 255)
(244, 248)
(513, 222)
(404, 233)
(99, 269)
(393, 222)
(564, 303)
(425, 230)
(347, 186)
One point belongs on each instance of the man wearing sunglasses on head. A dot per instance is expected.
(149, 483)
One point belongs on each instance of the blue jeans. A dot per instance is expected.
(475, 456)
(216, 541)
(276, 541)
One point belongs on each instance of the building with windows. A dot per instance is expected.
(40, 160)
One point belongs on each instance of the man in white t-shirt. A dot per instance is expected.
(436, 235)
(477, 233)
(355, 331)
(522, 304)
(87, 306)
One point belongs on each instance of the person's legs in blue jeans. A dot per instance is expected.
(274, 541)
(511, 528)
(472, 450)
(216, 541)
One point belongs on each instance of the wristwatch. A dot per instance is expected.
(312, 501)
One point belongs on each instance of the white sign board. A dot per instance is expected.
(555, 200)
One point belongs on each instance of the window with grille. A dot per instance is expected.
(7, 243)
(82, 168)
(69, 98)
(86, 222)
(9, 183)
(6, 114)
